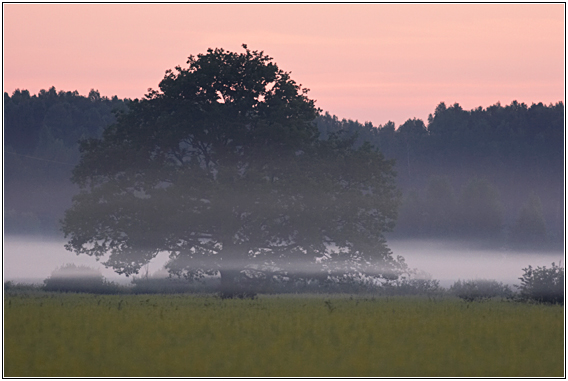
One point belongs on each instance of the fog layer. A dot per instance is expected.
(32, 259)
(450, 261)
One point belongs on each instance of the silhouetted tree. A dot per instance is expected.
(410, 136)
(222, 168)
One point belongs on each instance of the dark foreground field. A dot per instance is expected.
(58, 335)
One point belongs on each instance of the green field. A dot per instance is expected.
(55, 335)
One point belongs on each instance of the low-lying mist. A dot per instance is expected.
(451, 261)
(29, 259)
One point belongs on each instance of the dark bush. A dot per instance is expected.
(543, 285)
(72, 278)
(13, 287)
(480, 289)
(411, 282)
(412, 287)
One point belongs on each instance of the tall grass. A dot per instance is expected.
(76, 335)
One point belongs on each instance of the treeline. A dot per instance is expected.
(40, 150)
(495, 174)
(474, 213)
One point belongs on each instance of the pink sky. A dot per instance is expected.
(370, 62)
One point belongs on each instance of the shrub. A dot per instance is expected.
(13, 287)
(480, 289)
(72, 278)
(543, 285)
(413, 287)
(411, 282)
(9, 285)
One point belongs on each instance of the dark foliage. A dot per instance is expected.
(542, 284)
(13, 287)
(480, 289)
(41, 134)
(222, 167)
(32, 122)
(72, 278)
(425, 287)
(493, 158)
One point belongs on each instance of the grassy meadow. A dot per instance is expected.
(87, 335)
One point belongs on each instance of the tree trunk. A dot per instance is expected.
(233, 282)
(233, 285)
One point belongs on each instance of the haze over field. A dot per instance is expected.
(32, 260)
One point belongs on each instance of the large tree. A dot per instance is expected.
(222, 168)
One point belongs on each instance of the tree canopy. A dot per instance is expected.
(222, 168)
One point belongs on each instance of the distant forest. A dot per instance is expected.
(40, 150)
(493, 175)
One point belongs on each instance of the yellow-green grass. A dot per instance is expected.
(187, 335)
